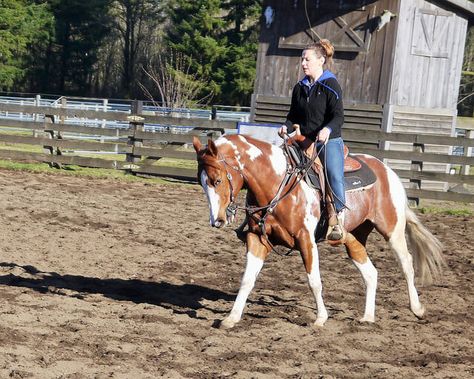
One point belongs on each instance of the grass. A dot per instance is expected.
(78, 171)
(465, 212)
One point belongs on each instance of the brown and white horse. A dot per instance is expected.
(236, 161)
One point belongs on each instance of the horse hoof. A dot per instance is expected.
(319, 323)
(370, 319)
(227, 324)
(419, 312)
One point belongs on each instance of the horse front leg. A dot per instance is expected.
(310, 255)
(256, 254)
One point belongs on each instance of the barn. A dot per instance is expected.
(398, 61)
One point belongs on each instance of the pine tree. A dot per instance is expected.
(23, 24)
(220, 38)
(196, 30)
(80, 29)
(242, 34)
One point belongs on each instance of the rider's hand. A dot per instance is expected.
(297, 129)
(282, 131)
(323, 135)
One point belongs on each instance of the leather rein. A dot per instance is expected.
(292, 171)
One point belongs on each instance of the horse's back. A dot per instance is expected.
(383, 202)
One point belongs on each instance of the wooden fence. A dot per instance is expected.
(59, 140)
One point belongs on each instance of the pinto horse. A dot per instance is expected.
(286, 212)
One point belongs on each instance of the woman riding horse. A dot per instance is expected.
(317, 113)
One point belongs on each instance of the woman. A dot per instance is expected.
(317, 113)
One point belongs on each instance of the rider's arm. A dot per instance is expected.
(335, 108)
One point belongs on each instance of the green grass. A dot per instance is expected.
(78, 171)
(21, 147)
(465, 211)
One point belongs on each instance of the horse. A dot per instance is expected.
(286, 211)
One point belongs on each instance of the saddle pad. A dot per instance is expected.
(360, 178)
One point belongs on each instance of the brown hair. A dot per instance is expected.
(323, 48)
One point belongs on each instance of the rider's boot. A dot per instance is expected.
(336, 231)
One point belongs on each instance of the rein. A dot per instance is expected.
(291, 172)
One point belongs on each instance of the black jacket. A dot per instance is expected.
(317, 106)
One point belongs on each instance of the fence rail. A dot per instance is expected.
(63, 136)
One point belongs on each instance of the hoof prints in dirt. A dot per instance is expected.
(110, 279)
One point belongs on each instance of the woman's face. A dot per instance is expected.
(311, 64)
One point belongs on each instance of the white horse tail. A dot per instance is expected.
(426, 249)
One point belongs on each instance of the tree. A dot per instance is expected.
(135, 21)
(81, 27)
(466, 90)
(242, 34)
(23, 24)
(220, 37)
(196, 30)
(173, 81)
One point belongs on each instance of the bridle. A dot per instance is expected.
(293, 176)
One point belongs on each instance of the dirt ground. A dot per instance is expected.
(109, 279)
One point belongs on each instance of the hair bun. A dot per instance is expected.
(327, 46)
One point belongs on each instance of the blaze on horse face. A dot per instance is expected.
(213, 178)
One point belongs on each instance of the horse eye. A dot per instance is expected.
(217, 182)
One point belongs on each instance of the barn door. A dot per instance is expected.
(348, 32)
(431, 33)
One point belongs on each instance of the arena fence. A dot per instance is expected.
(143, 143)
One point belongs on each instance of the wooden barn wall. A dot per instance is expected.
(428, 56)
(364, 76)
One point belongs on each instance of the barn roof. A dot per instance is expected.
(463, 6)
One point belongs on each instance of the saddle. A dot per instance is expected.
(350, 164)
(356, 173)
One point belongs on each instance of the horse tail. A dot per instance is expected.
(426, 249)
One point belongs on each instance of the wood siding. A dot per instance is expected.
(363, 56)
(273, 109)
(428, 56)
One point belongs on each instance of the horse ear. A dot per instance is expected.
(212, 147)
(197, 144)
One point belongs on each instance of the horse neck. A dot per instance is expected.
(262, 183)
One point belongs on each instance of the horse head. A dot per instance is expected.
(221, 181)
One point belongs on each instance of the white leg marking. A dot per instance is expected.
(369, 274)
(252, 269)
(399, 244)
(314, 280)
(314, 277)
(212, 199)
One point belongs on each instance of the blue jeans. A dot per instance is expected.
(334, 157)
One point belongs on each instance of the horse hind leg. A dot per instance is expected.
(398, 243)
(355, 248)
(256, 254)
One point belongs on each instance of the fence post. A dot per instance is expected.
(36, 117)
(49, 133)
(465, 170)
(136, 126)
(105, 103)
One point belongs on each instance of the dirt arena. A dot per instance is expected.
(109, 279)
